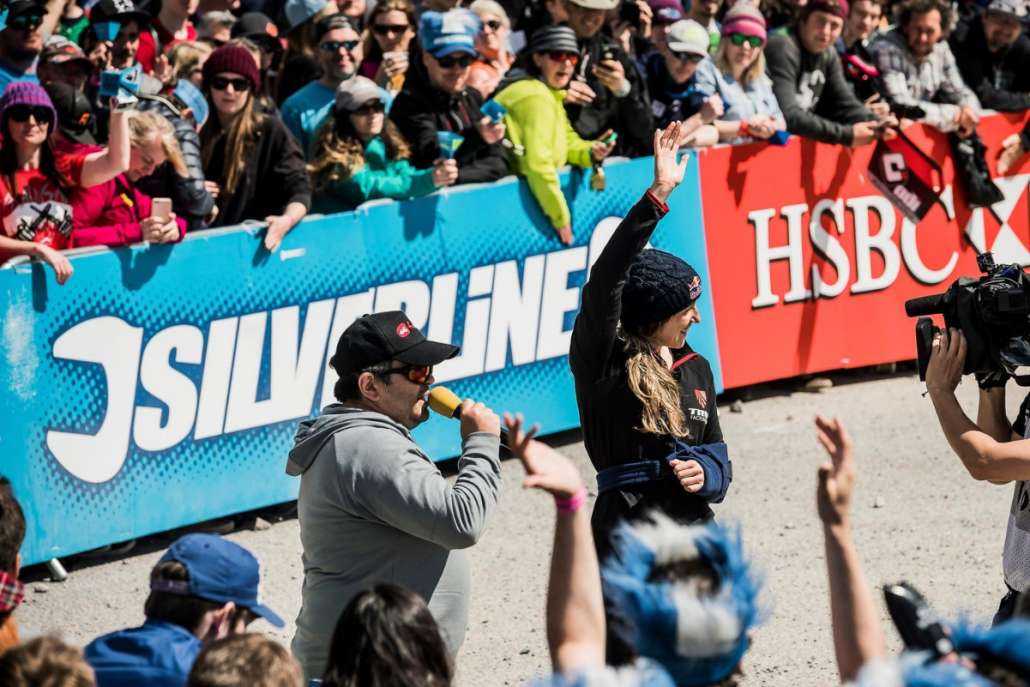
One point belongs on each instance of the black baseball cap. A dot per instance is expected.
(74, 113)
(383, 336)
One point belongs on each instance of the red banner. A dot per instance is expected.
(810, 264)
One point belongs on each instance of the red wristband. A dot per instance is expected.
(661, 205)
(743, 130)
(573, 503)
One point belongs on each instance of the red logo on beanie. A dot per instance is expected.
(403, 330)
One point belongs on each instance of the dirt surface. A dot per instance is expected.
(918, 517)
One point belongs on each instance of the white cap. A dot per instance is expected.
(687, 35)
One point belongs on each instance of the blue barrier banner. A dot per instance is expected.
(162, 385)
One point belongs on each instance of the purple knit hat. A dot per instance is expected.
(26, 93)
(231, 58)
(744, 18)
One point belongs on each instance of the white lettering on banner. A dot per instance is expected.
(287, 355)
(867, 212)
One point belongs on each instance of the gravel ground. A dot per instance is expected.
(918, 517)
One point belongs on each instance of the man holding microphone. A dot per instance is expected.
(373, 507)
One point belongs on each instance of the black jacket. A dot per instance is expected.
(274, 176)
(630, 116)
(816, 100)
(420, 111)
(609, 411)
(1000, 80)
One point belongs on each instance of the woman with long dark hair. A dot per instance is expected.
(256, 166)
(386, 636)
(391, 27)
(360, 155)
(646, 399)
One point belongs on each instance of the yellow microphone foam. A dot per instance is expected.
(443, 401)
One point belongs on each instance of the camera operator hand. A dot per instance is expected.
(947, 360)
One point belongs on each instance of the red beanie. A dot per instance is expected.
(231, 58)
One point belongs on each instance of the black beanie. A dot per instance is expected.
(658, 286)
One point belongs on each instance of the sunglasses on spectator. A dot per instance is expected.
(386, 29)
(452, 61)
(25, 21)
(21, 113)
(493, 24)
(220, 83)
(334, 46)
(739, 39)
(690, 57)
(562, 56)
(370, 108)
(417, 374)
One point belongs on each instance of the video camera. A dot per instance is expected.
(920, 628)
(993, 312)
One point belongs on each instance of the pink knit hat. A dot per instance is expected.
(744, 18)
(26, 93)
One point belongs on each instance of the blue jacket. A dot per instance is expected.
(157, 654)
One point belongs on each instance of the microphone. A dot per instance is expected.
(445, 402)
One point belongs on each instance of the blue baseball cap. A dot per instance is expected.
(194, 99)
(219, 570)
(443, 33)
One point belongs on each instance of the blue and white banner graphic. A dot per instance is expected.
(162, 385)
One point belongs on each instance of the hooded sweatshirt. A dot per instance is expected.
(373, 507)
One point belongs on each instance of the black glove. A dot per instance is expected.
(992, 380)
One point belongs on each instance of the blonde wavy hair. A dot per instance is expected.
(651, 381)
(145, 126)
(339, 154)
(753, 73)
(187, 58)
(240, 139)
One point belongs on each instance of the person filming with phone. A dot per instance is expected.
(373, 506)
(991, 449)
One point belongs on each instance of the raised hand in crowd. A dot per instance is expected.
(163, 70)
(857, 635)
(546, 469)
(101, 55)
(967, 119)
(445, 172)
(476, 417)
(668, 173)
(490, 131)
(61, 265)
(612, 74)
(579, 93)
(160, 230)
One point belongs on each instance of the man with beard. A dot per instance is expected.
(21, 42)
(373, 507)
(809, 83)
(339, 53)
(993, 53)
(703, 12)
(114, 32)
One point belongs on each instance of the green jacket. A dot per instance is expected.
(379, 178)
(539, 129)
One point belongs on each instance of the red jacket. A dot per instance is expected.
(110, 214)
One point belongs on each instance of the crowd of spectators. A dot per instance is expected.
(266, 110)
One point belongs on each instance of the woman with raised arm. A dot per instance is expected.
(646, 399)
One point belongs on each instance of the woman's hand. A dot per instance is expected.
(579, 93)
(489, 131)
(546, 469)
(711, 108)
(836, 475)
(761, 126)
(212, 187)
(61, 265)
(445, 172)
(158, 230)
(668, 173)
(600, 149)
(278, 227)
(690, 474)
(565, 234)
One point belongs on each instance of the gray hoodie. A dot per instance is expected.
(374, 508)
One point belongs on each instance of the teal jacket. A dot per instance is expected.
(540, 130)
(379, 178)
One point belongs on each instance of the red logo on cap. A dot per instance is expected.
(403, 329)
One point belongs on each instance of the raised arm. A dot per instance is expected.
(575, 606)
(106, 164)
(594, 332)
(857, 635)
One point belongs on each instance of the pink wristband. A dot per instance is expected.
(573, 503)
